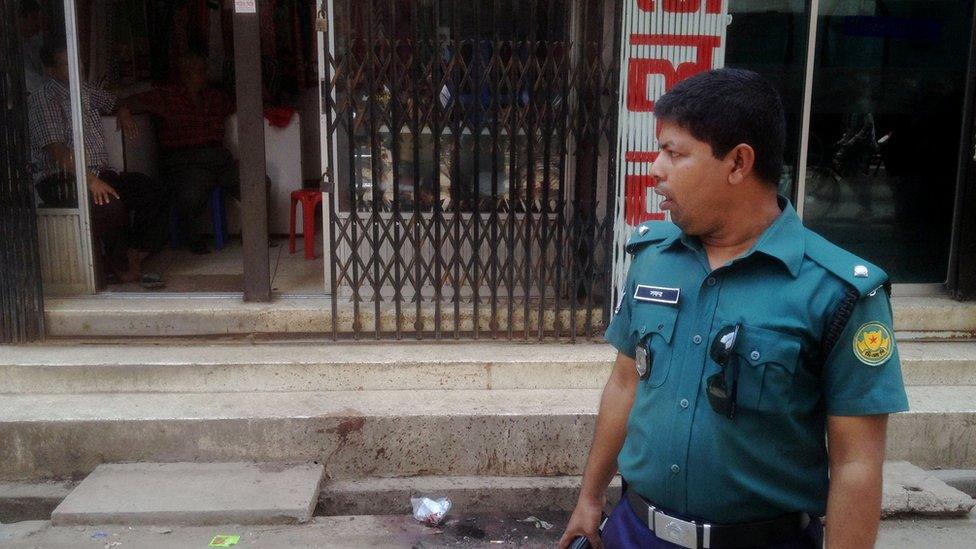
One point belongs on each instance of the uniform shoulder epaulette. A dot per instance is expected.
(649, 233)
(863, 276)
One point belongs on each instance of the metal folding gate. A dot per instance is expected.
(21, 304)
(467, 145)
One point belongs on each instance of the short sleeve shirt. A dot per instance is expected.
(771, 458)
(183, 122)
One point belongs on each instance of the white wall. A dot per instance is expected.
(282, 152)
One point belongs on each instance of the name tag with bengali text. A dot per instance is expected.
(655, 294)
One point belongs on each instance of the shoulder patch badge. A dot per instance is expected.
(873, 343)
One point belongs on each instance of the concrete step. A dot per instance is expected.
(193, 494)
(938, 363)
(20, 501)
(303, 367)
(61, 369)
(908, 490)
(934, 317)
(178, 315)
(925, 317)
(473, 494)
(963, 480)
(355, 434)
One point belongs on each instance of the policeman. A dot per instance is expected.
(754, 357)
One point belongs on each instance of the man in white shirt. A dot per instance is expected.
(31, 30)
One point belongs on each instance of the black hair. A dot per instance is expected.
(727, 107)
(53, 45)
(29, 7)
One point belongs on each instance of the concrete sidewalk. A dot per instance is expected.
(389, 531)
(398, 531)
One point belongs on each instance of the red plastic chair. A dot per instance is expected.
(310, 198)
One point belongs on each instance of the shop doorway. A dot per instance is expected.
(127, 49)
(886, 120)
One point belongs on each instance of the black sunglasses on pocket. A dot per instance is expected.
(720, 397)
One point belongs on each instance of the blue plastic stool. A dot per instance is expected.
(218, 217)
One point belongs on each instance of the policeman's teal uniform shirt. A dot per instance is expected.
(771, 458)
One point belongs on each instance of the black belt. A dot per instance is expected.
(718, 536)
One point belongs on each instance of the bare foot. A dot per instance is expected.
(135, 258)
(128, 276)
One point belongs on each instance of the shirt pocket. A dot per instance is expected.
(767, 363)
(653, 326)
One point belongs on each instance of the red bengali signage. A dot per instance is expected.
(681, 6)
(654, 59)
(640, 99)
(664, 42)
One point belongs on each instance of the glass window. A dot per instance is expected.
(48, 107)
(770, 37)
(884, 130)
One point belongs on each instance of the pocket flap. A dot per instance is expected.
(759, 345)
(653, 318)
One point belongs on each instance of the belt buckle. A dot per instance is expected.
(675, 530)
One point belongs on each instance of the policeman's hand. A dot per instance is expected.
(584, 522)
(101, 191)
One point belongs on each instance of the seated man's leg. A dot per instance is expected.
(229, 174)
(191, 186)
(110, 228)
(229, 177)
(149, 201)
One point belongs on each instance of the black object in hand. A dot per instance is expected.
(582, 542)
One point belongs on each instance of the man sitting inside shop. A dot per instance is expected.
(32, 38)
(190, 120)
(128, 210)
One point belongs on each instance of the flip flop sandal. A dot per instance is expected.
(152, 282)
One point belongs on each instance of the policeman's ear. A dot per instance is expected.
(742, 159)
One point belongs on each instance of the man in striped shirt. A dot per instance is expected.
(115, 198)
